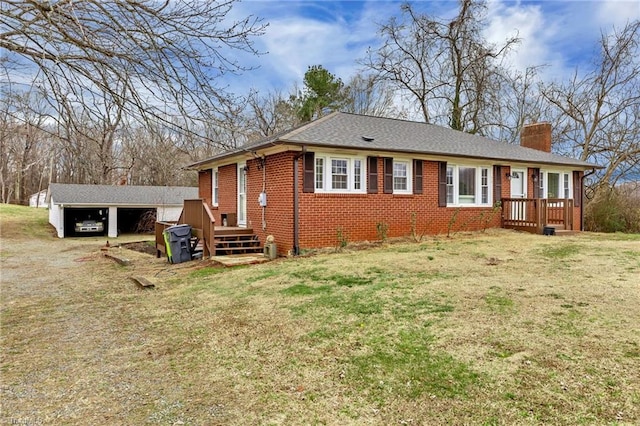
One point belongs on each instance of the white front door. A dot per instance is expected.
(242, 195)
(518, 184)
(518, 190)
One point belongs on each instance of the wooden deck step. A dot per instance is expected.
(565, 232)
(236, 241)
(238, 250)
(225, 237)
(233, 231)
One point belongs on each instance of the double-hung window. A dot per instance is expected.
(319, 173)
(468, 185)
(340, 174)
(214, 187)
(400, 176)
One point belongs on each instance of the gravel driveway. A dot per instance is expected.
(58, 328)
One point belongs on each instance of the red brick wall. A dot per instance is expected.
(204, 185)
(359, 214)
(278, 214)
(227, 192)
(577, 215)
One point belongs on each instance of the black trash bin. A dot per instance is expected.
(177, 240)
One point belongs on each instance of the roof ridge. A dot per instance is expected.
(308, 125)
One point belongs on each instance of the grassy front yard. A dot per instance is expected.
(494, 328)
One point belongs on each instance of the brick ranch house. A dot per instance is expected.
(354, 175)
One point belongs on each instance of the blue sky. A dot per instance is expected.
(560, 34)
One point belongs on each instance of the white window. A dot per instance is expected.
(320, 173)
(339, 174)
(555, 184)
(214, 187)
(450, 191)
(484, 186)
(357, 175)
(468, 185)
(400, 170)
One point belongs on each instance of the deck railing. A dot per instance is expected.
(197, 214)
(533, 214)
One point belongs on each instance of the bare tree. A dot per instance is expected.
(25, 145)
(156, 59)
(515, 101)
(598, 113)
(371, 95)
(272, 113)
(444, 66)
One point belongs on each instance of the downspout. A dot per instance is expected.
(296, 215)
(263, 162)
(584, 175)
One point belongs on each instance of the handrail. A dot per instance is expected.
(533, 214)
(210, 231)
(198, 215)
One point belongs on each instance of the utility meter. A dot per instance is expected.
(262, 199)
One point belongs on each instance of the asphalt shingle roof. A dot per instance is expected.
(343, 130)
(121, 195)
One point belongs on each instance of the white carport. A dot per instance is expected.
(115, 206)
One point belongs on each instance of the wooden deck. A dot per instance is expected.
(535, 214)
(213, 240)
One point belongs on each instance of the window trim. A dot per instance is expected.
(564, 176)
(478, 186)
(327, 178)
(215, 187)
(319, 183)
(389, 175)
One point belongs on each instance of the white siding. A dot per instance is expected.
(168, 214)
(39, 199)
(113, 222)
(56, 217)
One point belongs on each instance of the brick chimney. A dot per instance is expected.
(536, 136)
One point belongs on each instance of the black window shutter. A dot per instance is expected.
(537, 193)
(417, 176)
(388, 175)
(372, 163)
(308, 182)
(577, 189)
(497, 184)
(442, 184)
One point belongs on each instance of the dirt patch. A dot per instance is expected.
(146, 247)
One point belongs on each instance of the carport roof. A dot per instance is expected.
(124, 195)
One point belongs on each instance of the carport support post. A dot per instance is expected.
(113, 222)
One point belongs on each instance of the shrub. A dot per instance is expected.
(613, 210)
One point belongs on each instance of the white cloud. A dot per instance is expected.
(527, 22)
(617, 12)
(301, 34)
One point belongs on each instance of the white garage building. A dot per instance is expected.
(116, 209)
